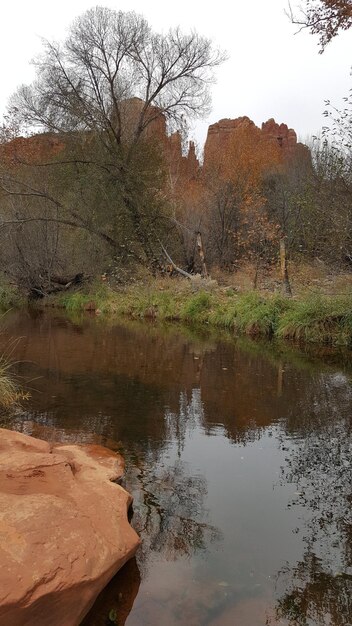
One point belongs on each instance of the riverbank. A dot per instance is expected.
(309, 317)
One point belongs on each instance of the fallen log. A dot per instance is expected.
(176, 268)
(64, 280)
(37, 292)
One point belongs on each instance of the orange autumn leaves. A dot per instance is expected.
(227, 199)
(249, 158)
(245, 161)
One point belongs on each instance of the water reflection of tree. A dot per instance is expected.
(315, 596)
(318, 590)
(171, 515)
(170, 512)
(187, 418)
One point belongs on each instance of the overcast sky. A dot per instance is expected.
(271, 71)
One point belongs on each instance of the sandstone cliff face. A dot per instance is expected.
(130, 112)
(284, 136)
(220, 134)
(35, 149)
(64, 531)
(183, 165)
(45, 147)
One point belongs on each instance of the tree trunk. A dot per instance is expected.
(201, 255)
(255, 279)
(285, 283)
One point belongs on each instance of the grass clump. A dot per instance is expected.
(73, 302)
(223, 314)
(98, 294)
(142, 302)
(258, 315)
(318, 318)
(250, 313)
(10, 391)
(197, 308)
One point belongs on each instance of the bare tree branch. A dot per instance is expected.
(325, 18)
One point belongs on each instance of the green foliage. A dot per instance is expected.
(250, 313)
(318, 318)
(258, 315)
(311, 318)
(224, 314)
(74, 301)
(197, 307)
(9, 297)
(113, 616)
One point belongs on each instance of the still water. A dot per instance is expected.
(238, 455)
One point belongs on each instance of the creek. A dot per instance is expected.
(238, 456)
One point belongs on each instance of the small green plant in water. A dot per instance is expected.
(113, 616)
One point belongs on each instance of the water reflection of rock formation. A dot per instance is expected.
(145, 388)
(87, 377)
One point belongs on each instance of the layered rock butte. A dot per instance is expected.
(64, 531)
(181, 160)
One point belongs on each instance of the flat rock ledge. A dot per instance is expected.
(64, 531)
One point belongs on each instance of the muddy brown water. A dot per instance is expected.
(238, 455)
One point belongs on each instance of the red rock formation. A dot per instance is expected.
(46, 146)
(285, 137)
(130, 111)
(219, 135)
(192, 166)
(182, 167)
(34, 149)
(64, 531)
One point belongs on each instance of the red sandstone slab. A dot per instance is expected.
(64, 531)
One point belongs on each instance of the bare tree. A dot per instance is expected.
(108, 59)
(109, 92)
